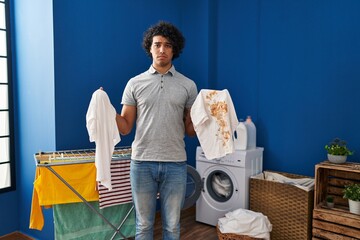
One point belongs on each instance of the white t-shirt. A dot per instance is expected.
(102, 129)
(214, 118)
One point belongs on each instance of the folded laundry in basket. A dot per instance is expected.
(306, 184)
(246, 222)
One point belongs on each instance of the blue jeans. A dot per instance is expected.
(148, 179)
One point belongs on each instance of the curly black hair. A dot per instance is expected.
(168, 31)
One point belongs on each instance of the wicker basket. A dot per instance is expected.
(233, 236)
(288, 207)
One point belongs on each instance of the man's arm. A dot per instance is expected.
(126, 120)
(189, 127)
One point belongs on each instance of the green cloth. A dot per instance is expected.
(78, 221)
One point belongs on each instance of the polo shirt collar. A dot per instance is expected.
(171, 71)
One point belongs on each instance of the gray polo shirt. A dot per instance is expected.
(160, 100)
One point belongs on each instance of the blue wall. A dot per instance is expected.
(107, 52)
(104, 50)
(9, 215)
(291, 65)
(308, 80)
(33, 56)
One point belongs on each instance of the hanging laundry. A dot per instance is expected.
(214, 118)
(121, 192)
(50, 190)
(102, 129)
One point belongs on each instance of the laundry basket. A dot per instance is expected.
(288, 207)
(232, 236)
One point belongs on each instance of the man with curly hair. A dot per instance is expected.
(159, 101)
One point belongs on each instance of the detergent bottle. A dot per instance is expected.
(240, 136)
(251, 132)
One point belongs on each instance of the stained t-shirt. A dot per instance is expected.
(214, 118)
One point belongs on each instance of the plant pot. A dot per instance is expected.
(330, 204)
(354, 207)
(337, 158)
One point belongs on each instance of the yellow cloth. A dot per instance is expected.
(49, 190)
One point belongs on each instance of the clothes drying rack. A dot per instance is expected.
(58, 158)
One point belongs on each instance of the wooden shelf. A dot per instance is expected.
(334, 223)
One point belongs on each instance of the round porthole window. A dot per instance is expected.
(220, 186)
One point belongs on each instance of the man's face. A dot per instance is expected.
(161, 51)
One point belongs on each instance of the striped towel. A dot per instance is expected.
(121, 187)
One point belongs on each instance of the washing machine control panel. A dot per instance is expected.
(239, 158)
(231, 160)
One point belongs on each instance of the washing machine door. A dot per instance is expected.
(221, 188)
(193, 187)
(219, 185)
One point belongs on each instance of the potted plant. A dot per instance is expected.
(352, 193)
(330, 201)
(337, 151)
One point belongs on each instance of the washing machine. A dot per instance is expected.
(225, 183)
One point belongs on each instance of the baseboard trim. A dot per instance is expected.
(16, 236)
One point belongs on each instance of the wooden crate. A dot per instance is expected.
(335, 223)
(288, 207)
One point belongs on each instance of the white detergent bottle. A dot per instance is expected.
(240, 137)
(251, 132)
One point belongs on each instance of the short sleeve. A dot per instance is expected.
(128, 97)
(193, 92)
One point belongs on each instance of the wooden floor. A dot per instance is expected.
(190, 229)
